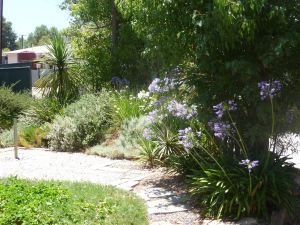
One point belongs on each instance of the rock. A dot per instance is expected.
(278, 217)
(247, 221)
(158, 193)
(244, 221)
(163, 209)
(161, 223)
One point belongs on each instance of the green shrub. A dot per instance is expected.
(126, 144)
(11, 106)
(44, 110)
(84, 123)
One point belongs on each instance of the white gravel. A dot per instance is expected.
(46, 165)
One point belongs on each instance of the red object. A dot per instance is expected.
(27, 57)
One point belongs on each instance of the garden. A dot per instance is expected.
(205, 89)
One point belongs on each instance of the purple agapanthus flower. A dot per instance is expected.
(249, 164)
(153, 116)
(221, 130)
(182, 110)
(269, 89)
(116, 80)
(125, 82)
(161, 86)
(169, 84)
(186, 138)
(160, 101)
(147, 134)
(154, 87)
(220, 108)
(232, 106)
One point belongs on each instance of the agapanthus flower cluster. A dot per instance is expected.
(220, 108)
(220, 129)
(160, 101)
(182, 110)
(249, 164)
(153, 116)
(269, 89)
(161, 86)
(186, 138)
(232, 106)
(148, 134)
(117, 81)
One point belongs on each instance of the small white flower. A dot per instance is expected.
(143, 94)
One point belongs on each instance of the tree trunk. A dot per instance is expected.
(114, 26)
(114, 38)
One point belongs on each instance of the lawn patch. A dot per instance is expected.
(44, 202)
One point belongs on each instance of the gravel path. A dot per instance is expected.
(165, 206)
(43, 164)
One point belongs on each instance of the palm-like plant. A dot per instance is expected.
(62, 82)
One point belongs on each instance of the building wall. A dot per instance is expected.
(12, 58)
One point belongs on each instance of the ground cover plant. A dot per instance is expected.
(129, 120)
(49, 202)
(124, 141)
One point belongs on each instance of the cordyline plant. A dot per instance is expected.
(61, 83)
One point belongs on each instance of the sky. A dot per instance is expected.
(25, 15)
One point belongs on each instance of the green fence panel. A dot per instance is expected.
(17, 77)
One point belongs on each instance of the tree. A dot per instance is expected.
(166, 28)
(105, 42)
(62, 83)
(240, 44)
(41, 35)
(9, 36)
(226, 48)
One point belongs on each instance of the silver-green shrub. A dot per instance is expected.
(84, 123)
(6, 138)
(127, 144)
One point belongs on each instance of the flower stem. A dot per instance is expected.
(244, 149)
(250, 186)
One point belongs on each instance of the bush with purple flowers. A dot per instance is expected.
(229, 172)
